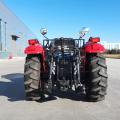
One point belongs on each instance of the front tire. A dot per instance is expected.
(96, 77)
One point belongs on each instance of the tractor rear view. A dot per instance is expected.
(65, 64)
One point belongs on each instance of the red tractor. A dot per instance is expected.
(65, 64)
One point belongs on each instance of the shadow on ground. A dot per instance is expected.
(13, 89)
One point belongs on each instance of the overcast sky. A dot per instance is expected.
(66, 17)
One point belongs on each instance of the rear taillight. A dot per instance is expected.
(33, 42)
(94, 40)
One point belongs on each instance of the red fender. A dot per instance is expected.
(35, 48)
(91, 47)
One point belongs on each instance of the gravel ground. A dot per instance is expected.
(13, 105)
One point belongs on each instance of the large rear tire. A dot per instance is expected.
(32, 80)
(96, 82)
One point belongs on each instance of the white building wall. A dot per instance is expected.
(111, 46)
(14, 26)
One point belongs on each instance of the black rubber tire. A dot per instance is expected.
(32, 80)
(96, 82)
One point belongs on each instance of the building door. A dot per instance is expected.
(14, 45)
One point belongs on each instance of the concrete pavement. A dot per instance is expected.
(13, 105)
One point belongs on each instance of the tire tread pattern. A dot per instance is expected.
(96, 82)
(32, 77)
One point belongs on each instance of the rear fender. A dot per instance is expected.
(91, 47)
(34, 48)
